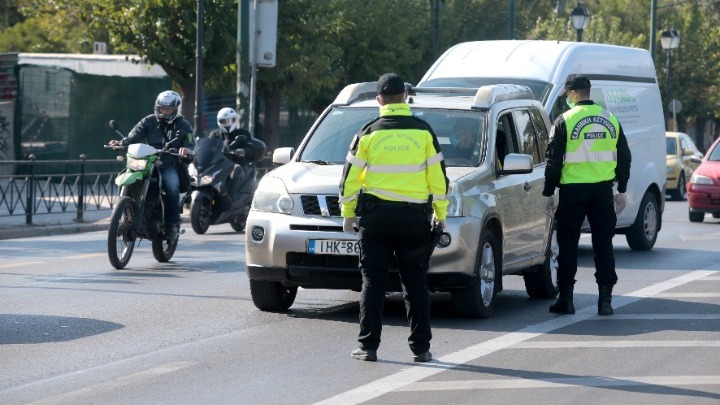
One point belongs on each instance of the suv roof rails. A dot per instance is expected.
(484, 97)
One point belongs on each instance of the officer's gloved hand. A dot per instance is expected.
(620, 201)
(549, 206)
(350, 225)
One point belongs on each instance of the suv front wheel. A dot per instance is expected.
(478, 300)
(272, 295)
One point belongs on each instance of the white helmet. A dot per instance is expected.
(168, 99)
(227, 119)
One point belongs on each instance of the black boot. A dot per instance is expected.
(605, 300)
(564, 304)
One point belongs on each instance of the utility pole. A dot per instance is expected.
(653, 27)
(241, 61)
(199, 131)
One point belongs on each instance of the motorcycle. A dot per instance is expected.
(139, 210)
(214, 197)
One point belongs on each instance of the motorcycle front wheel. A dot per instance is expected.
(164, 249)
(200, 214)
(121, 240)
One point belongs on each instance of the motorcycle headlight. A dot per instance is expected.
(136, 164)
(272, 196)
(205, 180)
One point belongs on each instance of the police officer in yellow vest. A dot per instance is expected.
(586, 154)
(394, 181)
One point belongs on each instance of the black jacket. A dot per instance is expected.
(240, 138)
(157, 133)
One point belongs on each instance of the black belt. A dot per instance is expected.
(387, 203)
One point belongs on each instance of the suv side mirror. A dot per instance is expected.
(517, 163)
(282, 155)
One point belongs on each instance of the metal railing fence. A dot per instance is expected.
(40, 187)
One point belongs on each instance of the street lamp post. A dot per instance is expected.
(670, 40)
(580, 18)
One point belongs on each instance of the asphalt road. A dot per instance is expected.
(75, 331)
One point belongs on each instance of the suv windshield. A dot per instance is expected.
(461, 134)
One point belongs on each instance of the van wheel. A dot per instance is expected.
(478, 300)
(271, 295)
(643, 233)
(542, 282)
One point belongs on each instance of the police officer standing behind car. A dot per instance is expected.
(394, 179)
(587, 152)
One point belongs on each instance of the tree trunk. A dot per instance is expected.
(272, 119)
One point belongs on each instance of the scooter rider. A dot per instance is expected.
(243, 147)
(166, 125)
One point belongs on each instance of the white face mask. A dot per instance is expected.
(569, 103)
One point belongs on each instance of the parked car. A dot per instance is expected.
(703, 192)
(682, 158)
(495, 226)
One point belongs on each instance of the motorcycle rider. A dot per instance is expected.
(165, 125)
(243, 147)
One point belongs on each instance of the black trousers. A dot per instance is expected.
(576, 202)
(404, 232)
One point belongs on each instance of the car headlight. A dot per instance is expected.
(454, 197)
(272, 196)
(136, 164)
(700, 179)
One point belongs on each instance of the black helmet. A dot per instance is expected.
(168, 99)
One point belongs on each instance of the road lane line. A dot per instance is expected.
(85, 256)
(654, 317)
(593, 344)
(94, 390)
(516, 383)
(687, 295)
(414, 374)
(9, 265)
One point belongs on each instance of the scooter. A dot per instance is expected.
(212, 202)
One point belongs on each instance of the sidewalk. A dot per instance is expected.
(13, 227)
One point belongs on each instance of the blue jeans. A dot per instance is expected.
(171, 197)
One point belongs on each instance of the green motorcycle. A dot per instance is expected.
(139, 210)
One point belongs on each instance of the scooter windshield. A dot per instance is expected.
(208, 152)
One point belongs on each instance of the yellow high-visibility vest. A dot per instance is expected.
(591, 150)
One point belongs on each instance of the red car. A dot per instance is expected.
(703, 191)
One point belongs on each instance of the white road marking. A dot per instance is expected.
(568, 344)
(687, 295)
(86, 256)
(416, 373)
(143, 376)
(712, 278)
(515, 383)
(707, 236)
(653, 317)
(9, 265)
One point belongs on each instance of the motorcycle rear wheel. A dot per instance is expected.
(164, 249)
(121, 240)
(200, 215)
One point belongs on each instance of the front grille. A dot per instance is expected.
(304, 259)
(325, 205)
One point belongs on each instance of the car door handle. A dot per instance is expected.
(527, 186)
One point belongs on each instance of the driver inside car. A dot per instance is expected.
(464, 142)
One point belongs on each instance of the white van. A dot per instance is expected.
(623, 81)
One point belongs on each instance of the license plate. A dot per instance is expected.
(333, 247)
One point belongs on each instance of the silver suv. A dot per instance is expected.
(495, 225)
